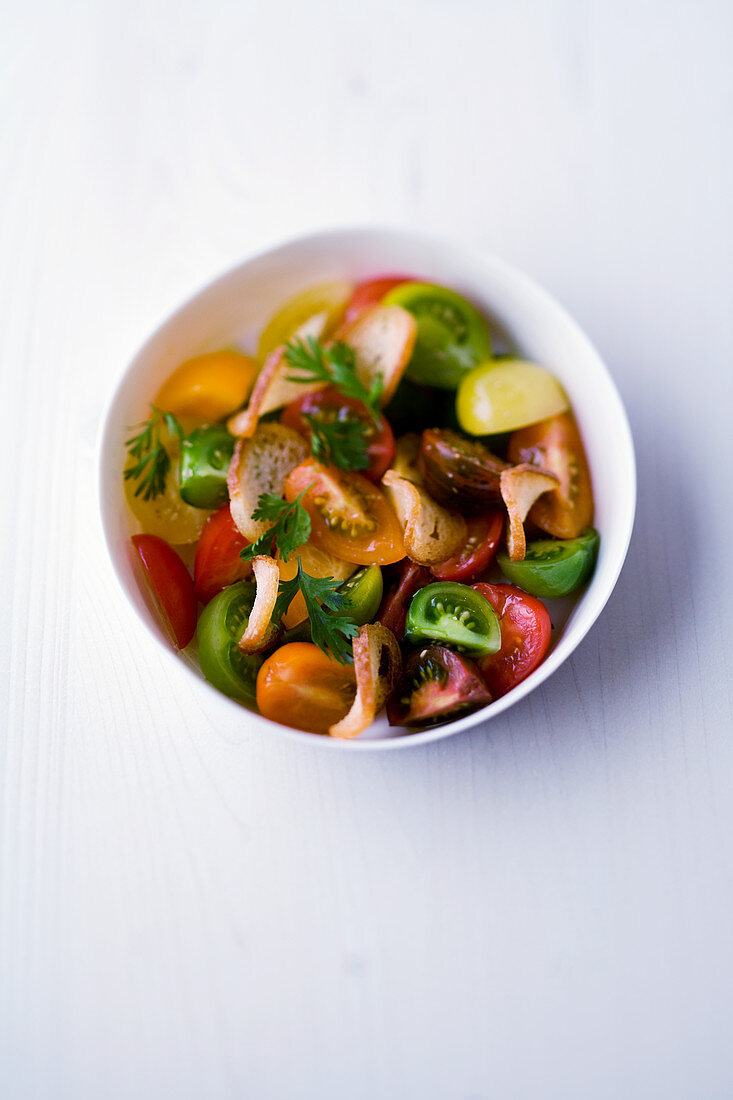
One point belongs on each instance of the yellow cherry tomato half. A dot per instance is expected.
(166, 515)
(323, 305)
(208, 387)
(508, 394)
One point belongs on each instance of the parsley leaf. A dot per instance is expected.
(291, 526)
(152, 460)
(331, 629)
(335, 365)
(339, 443)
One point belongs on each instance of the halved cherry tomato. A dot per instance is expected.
(319, 307)
(217, 562)
(393, 610)
(299, 685)
(208, 387)
(167, 587)
(371, 292)
(436, 686)
(350, 518)
(330, 406)
(459, 473)
(484, 533)
(556, 446)
(525, 636)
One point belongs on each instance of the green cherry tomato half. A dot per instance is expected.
(363, 592)
(452, 336)
(205, 457)
(455, 615)
(221, 625)
(553, 567)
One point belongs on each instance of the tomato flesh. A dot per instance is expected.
(300, 686)
(330, 406)
(167, 587)
(525, 636)
(482, 539)
(217, 562)
(436, 686)
(370, 293)
(350, 518)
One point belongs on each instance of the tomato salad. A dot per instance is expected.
(375, 507)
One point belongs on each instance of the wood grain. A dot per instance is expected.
(540, 908)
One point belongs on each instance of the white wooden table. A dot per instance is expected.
(538, 909)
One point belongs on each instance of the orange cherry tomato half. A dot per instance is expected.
(209, 386)
(525, 636)
(167, 588)
(217, 563)
(330, 406)
(350, 518)
(299, 685)
(482, 541)
(556, 446)
(371, 292)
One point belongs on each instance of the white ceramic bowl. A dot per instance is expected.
(232, 310)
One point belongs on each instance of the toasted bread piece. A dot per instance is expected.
(405, 458)
(260, 630)
(432, 533)
(377, 667)
(382, 339)
(260, 465)
(271, 391)
(520, 487)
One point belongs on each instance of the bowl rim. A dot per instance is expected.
(525, 284)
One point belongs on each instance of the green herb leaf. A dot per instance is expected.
(291, 526)
(340, 443)
(335, 365)
(331, 629)
(152, 460)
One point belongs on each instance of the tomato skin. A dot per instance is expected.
(556, 446)
(167, 587)
(217, 563)
(525, 636)
(393, 611)
(482, 541)
(350, 518)
(370, 293)
(329, 405)
(300, 686)
(209, 386)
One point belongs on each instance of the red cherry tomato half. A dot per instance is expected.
(330, 406)
(167, 587)
(484, 533)
(218, 563)
(393, 612)
(371, 292)
(525, 636)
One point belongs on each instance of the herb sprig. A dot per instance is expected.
(331, 628)
(152, 460)
(291, 526)
(340, 443)
(335, 365)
